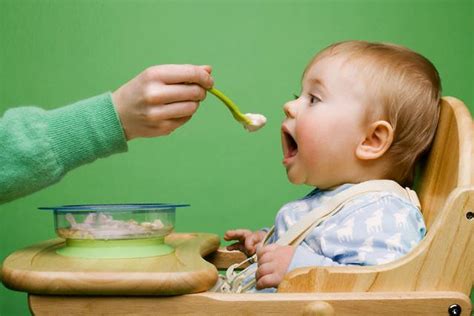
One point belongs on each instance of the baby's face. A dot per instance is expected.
(324, 125)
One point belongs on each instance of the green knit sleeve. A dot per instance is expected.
(38, 147)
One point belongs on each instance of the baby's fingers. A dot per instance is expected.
(237, 234)
(268, 280)
(251, 243)
(264, 269)
(236, 246)
(265, 251)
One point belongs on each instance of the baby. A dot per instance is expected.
(367, 111)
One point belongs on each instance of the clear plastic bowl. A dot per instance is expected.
(114, 221)
(114, 230)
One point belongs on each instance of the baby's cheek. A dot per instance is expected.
(314, 149)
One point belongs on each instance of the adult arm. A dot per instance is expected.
(38, 147)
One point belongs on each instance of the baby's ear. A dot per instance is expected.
(378, 139)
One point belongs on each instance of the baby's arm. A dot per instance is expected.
(274, 261)
(306, 257)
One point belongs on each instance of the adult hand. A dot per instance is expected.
(161, 99)
(247, 240)
(273, 262)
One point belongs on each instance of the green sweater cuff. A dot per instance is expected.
(86, 130)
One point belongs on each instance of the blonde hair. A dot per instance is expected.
(405, 90)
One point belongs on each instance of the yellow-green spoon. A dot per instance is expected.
(251, 121)
(231, 106)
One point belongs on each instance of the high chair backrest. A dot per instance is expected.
(449, 164)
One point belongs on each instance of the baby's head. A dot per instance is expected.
(366, 111)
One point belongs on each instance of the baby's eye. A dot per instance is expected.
(295, 96)
(315, 99)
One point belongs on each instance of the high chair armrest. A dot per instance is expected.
(327, 279)
(223, 258)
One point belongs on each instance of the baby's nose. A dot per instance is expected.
(290, 109)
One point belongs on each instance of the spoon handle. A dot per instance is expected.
(231, 106)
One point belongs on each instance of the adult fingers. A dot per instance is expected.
(207, 68)
(172, 74)
(172, 111)
(167, 126)
(163, 94)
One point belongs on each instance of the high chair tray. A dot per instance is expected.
(40, 270)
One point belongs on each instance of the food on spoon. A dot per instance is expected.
(257, 121)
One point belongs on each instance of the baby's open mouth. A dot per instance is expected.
(290, 147)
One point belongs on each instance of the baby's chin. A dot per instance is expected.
(299, 180)
(294, 178)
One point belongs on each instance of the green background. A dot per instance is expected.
(56, 52)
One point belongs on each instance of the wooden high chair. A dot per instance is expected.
(434, 279)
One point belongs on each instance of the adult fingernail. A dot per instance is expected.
(208, 68)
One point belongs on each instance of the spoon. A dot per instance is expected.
(252, 122)
(231, 106)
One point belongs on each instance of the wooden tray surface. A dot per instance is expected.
(39, 270)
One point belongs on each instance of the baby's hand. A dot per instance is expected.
(273, 263)
(247, 240)
(161, 99)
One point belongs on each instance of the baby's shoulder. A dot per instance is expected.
(385, 198)
(378, 203)
(378, 212)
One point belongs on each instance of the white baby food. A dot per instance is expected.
(257, 121)
(103, 226)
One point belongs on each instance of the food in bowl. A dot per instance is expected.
(114, 221)
(114, 231)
